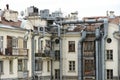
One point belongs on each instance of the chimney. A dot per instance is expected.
(7, 6)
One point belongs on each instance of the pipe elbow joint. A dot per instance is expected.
(83, 36)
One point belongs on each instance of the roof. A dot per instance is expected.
(11, 23)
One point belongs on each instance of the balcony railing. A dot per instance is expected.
(23, 74)
(47, 53)
(16, 52)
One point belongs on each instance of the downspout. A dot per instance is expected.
(61, 56)
(33, 56)
(39, 42)
(117, 36)
(97, 34)
(103, 47)
(33, 52)
(80, 63)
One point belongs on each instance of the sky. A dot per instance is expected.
(85, 8)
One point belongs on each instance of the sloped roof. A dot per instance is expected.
(91, 27)
(11, 23)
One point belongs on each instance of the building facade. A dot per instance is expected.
(44, 48)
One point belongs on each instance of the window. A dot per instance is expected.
(71, 46)
(109, 54)
(11, 66)
(71, 65)
(14, 42)
(48, 66)
(22, 64)
(25, 64)
(25, 44)
(89, 67)
(57, 74)
(1, 66)
(57, 55)
(109, 40)
(109, 74)
(38, 65)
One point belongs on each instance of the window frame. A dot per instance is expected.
(71, 46)
(57, 74)
(72, 66)
(109, 73)
(57, 55)
(109, 54)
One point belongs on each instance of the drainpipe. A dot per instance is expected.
(97, 34)
(103, 47)
(61, 56)
(33, 52)
(117, 36)
(80, 63)
(33, 56)
(39, 39)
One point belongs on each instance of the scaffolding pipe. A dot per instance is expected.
(80, 69)
(103, 47)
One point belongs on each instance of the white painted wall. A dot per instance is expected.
(114, 46)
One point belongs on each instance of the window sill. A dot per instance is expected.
(109, 60)
(72, 71)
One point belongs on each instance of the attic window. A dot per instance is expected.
(109, 40)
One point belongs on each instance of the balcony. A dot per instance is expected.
(23, 74)
(15, 52)
(47, 53)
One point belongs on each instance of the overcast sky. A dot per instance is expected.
(84, 7)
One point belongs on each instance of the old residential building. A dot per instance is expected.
(84, 50)
(15, 47)
(44, 48)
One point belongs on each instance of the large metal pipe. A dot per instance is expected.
(103, 47)
(80, 69)
(61, 56)
(33, 56)
(81, 21)
(97, 34)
